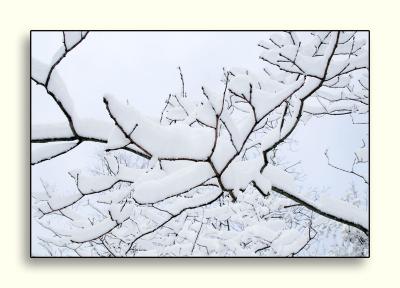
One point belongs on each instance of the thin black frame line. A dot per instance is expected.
(207, 257)
(369, 143)
(196, 30)
(30, 144)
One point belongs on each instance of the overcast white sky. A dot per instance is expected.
(142, 67)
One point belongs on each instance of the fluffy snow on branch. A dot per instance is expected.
(240, 84)
(238, 129)
(178, 204)
(335, 207)
(342, 209)
(57, 86)
(264, 102)
(73, 37)
(205, 114)
(116, 139)
(289, 241)
(351, 47)
(173, 166)
(223, 152)
(295, 59)
(48, 151)
(339, 67)
(94, 184)
(93, 128)
(261, 230)
(215, 99)
(39, 70)
(93, 232)
(221, 212)
(239, 174)
(175, 141)
(290, 121)
(173, 184)
(54, 130)
(270, 139)
(333, 107)
(60, 201)
(310, 84)
(116, 195)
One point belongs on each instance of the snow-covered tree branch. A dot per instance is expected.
(169, 186)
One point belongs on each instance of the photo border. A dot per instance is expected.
(197, 257)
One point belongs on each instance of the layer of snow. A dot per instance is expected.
(94, 184)
(54, 130)
(335, 207)
(180, 203)
(39, 70)
(279, 178)
(289, 241)
(47, 151)
(57, 86)
(216, 99)
(60, 201)
(93, 232)
(173, 184)
(223, 152)
(239, 174)
(343, 66)
(72, 37)
(176, 141)
(265, 102)
(270, 139)
(342, 209)
(116, 139)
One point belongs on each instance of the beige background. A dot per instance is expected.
(17, 18)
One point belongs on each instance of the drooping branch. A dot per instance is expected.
(314, 208)
(49, 75)
(75, 135)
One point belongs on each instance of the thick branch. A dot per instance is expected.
(313, 208)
